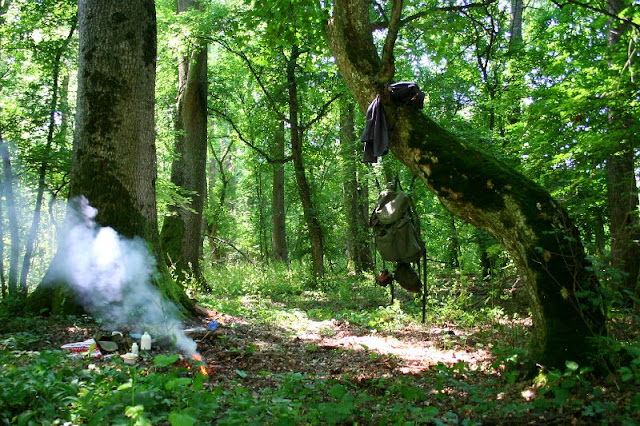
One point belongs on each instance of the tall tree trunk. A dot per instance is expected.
(65, 114)
(309, 210)
(481, 190)
(211, 218)
(217, 207)
(364, 236)
(262, 225)
(182, 234)
(516, 77)
(453, 244)
(279, 250)
(349, 182)
(483, 241)
(114, 161)
(621, 181)
(515, 28)
(357, 241)
(114, 157)
(4, 6)
(42, 173)
(12, 216)
(3, 279)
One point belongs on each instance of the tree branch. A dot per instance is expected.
(321, 113)
(378, 6)
(388, 60)
(461, 8)
(233, 125)
(220, 160)
(230, 244)
(595, 9)
(256, 75)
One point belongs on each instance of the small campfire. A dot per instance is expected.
(203, 367)
(197, 363)
(136, 348)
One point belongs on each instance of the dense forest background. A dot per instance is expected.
(258, 152)
(539, 87)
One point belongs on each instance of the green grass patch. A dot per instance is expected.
(43, 386)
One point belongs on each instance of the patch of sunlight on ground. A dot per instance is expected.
(417, 349)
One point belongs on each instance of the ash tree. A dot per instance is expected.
(480, 189)
(114, 157)
(181, 234)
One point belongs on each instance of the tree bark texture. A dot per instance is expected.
(515, 28)
(357, 241)
(624, 229)
(114, 158)
(12, 216)
(453, 244)
(316, 236)
(622, 190)
(182, 231)
(3, 279)
(279, 250)
(114, 161)
(263, 236)
(484, 192)
(211, 223)
(4, 6)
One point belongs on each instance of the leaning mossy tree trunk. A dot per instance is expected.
(114, 157)
(483, 191)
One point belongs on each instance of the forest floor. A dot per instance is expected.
(420, 374)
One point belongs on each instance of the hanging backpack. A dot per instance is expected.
(396, 237)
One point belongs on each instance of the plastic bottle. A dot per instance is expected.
(145, 342)
(134, 348)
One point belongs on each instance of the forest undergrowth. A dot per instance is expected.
(289, 349)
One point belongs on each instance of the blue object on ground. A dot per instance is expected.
(213, 325)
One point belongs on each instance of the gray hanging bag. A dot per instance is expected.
(396, 237)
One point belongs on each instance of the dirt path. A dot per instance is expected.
(257, 357)
(332, 349)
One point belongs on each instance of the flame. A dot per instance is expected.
(203, 366)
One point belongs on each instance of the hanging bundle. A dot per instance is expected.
(376, 132)
(395, 234)
(396, 237)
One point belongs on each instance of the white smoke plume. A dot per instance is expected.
(112, 277)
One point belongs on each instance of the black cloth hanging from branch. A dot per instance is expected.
(376, 131)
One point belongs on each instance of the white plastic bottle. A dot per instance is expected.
(134, 348)
(145, 342)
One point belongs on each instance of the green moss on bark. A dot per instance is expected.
(523, 217)
(174, 292)
(55, 298)
(172, 240)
